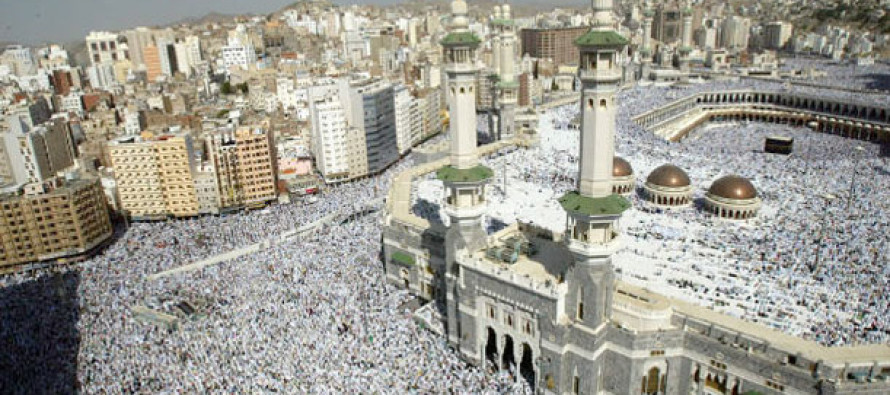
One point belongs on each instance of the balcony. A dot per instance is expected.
(612, 74)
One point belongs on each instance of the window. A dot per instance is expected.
(576, 385)
(580, 310)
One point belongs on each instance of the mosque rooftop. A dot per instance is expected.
(508, 84)
(506, 22)
(475, 174)
(609, 205)
(602, 38)
(526, 257)
(457, 38)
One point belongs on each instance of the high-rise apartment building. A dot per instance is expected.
(151, 56)
(369, 107)
(734, 32)
(106, 47)
(188, 55)
(102, 76)
(206, 189)
(329, 133)
(431, 103)
(667, 22)
(556, 44)
(154, 176)
(35, 154)
(777, 34)
(239, 50)
(20, 60)
(141, 37)
(66, 217)
(256, 165)
(244, 162)
(408, 118)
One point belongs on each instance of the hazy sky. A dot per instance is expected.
(63, 21)
(36, 21)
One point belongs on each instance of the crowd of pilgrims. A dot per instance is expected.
(311, 315)
(813, 263)
(315, 314)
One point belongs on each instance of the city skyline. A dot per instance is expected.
(63, 21)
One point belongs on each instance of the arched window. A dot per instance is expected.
(603, 103)
(652, 382)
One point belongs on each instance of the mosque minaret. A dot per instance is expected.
(545, 304)
(464, 178)
(593, 210)
(508, 86)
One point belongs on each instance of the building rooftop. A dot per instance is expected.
(527, 256)
(609, 205)
(458, 38)
(602, 38)
(451, 174)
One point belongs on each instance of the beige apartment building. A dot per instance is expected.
(65, 218)
(244, 161)
(256, 165)
(155, 176)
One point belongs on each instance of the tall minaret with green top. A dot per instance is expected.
(464, 177)
(508, 85)
(593, 210)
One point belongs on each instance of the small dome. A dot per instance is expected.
(621, 167)
(668, 176)
(733, 187)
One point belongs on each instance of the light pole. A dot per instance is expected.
(859, 150)
(828, 199)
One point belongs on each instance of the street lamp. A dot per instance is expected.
(860, 150)
(828, 199)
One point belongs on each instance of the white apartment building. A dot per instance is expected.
(239, 50)
(188, 55)
(134, 122)
(297, 20)
(35, 154)
(106, 47)
(369, 106)
(73, 102)
(408, 119)
(101, 76)
(20, 60)
(329, 138)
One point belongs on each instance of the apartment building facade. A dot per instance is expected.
(154, 177)
(243, 160)
(556, 44)
(65, 217)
